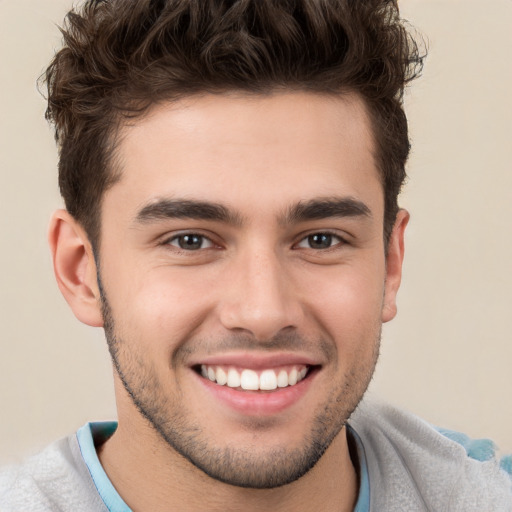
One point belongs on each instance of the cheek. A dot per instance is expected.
(158, 307)
(349, 305)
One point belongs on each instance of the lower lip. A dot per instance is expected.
(255, 403)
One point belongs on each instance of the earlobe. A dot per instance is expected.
(75, 268)
(394, 260)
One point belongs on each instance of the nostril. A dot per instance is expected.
(262, 312)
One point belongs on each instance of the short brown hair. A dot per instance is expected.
(120, 57)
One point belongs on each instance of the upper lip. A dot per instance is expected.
(257, 361)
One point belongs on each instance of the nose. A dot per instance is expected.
(260, 298)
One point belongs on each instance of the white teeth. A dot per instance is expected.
(268, 380)
(282, 379)
(250, 380)
(233, 378)
(221, 376)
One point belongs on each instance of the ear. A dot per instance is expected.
(394, 262)
(75, 268)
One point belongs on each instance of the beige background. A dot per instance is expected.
(448, 354)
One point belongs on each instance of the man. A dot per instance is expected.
(231, 172)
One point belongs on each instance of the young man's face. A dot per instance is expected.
(244, 242)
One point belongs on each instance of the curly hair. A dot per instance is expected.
(119, 58)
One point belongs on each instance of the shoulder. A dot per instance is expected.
(55, 479)
(413, 464)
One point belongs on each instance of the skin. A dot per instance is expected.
(257, 287)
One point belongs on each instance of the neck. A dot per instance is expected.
(151, 476)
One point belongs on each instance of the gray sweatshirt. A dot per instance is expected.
(405, 465)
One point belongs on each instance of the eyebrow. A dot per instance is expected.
(187, 209)
(314, 209)
(324, 208)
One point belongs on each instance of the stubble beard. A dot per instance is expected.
(230, 464)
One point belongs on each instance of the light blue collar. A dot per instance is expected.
(363, 500)
(89, 435)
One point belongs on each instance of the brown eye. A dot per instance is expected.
(320, 241)
(191, 242)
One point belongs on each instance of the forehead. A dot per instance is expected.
(248, 151)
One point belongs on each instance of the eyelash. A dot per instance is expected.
(203, 238)
(340, 240)
(176, 238)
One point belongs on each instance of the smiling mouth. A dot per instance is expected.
(246, 379)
